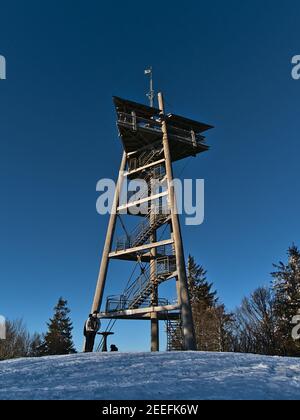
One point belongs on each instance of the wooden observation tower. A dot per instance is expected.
(152, 141)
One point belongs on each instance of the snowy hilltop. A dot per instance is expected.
(159, 376)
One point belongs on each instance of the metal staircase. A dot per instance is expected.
(151, 179)
(174, 335)
(145, 158)
(155, 218)
(146, 229)
(138, 291)
(164, 268)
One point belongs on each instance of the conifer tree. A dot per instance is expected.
(286, 287)
(200, 289)
(36, 345)
(58, 339)
(212, 323)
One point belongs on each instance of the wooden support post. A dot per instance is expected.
(134, 124)
(154, 332)
(186, 310)
(153, 275)
(193, 135)
(109, 239)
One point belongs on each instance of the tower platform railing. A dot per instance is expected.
(120, 303)
(133, 122)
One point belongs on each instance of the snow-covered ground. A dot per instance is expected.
(159, 376)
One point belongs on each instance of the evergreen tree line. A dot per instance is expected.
(57, 341)
(263, 323)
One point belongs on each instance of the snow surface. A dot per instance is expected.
(159, 376)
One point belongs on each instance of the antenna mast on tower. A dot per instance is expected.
(151, 94)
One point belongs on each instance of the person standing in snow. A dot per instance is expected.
(113, 348)
(91, 327)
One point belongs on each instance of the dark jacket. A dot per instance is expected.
(92, 325)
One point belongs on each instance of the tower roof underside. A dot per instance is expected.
(140, 126)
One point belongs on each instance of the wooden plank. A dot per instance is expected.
(140, 311)
(143, 201)
(116, 254)
(162, 316)
(142, 168)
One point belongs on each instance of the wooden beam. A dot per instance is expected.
(140, 311)
(184, 298)
(141, 248)
(108, 241)
(142, 168)
(162, 316)
(143, 201)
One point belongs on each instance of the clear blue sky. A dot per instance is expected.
(226, 63)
